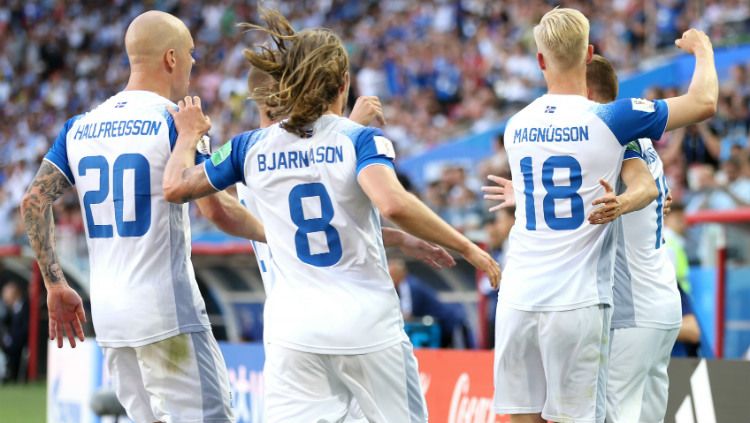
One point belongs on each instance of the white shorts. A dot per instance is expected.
(552, 362)
(377, 387)
(638, 383)
(179, 379)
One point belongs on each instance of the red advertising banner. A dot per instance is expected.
(458, 386)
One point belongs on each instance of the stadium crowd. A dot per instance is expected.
(442, 68)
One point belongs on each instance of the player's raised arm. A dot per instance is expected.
(401, 207)
(183, 180)
(65, 307)
(699, 103)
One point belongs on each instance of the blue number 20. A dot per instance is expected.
(142, 173)
(318, 224)
(554, 192)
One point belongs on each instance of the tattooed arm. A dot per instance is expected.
(65, 306)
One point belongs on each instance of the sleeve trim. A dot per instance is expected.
(666, 121)
(375, 161)
(72, 183)
(208, 178)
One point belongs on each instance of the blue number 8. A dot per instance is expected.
(319, 224)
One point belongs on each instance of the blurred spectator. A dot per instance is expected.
(419, 300)
(695, 144)
(674, 236)
(17, 323)
(726, 190)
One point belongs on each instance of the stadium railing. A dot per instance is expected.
(720, 285)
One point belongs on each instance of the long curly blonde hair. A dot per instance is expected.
(309, 69)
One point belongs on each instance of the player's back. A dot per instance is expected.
(559, 147)
(142, 284)
(333, 293)
(645, 290)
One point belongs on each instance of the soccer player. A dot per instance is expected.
(334, 328)
(147, 311)
(554, 310)
(646, 315)
(647, 312)
(366, 110)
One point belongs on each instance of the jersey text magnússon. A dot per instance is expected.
(551, 134)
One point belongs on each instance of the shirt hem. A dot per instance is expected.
(516, 410)
(153, 338)
(619, 324)
(556, 307)
(339, 350)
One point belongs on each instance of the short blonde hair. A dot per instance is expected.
(562, 35)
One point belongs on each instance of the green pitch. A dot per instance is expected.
(23, 403)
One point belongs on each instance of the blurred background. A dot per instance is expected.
(449, 73)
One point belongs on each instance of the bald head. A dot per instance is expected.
(152, 34)
(159, 48)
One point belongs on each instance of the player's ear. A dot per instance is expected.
(170, 59)
(540, 60)
(345, 87)
(589, 53)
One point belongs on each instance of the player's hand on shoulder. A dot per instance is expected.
(367, 110)
(189, 118)
(484, 262)
(694, 41)
(502, 192)
(610, 206)
(66, 314)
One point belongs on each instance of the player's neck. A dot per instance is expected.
(567, 83)
(337, 107)
(140, 81)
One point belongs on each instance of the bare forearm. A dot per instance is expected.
(229, 216)
(640, 186)
(392, 237)
(182, 180)
(36, 209)
(417, 219)
(700, 102)
(704, 86)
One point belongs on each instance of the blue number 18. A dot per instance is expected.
(554, 192)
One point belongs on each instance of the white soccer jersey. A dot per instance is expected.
(143, 287)
(260, 249)
(333, 293)
(645, 290)
(559, 147)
